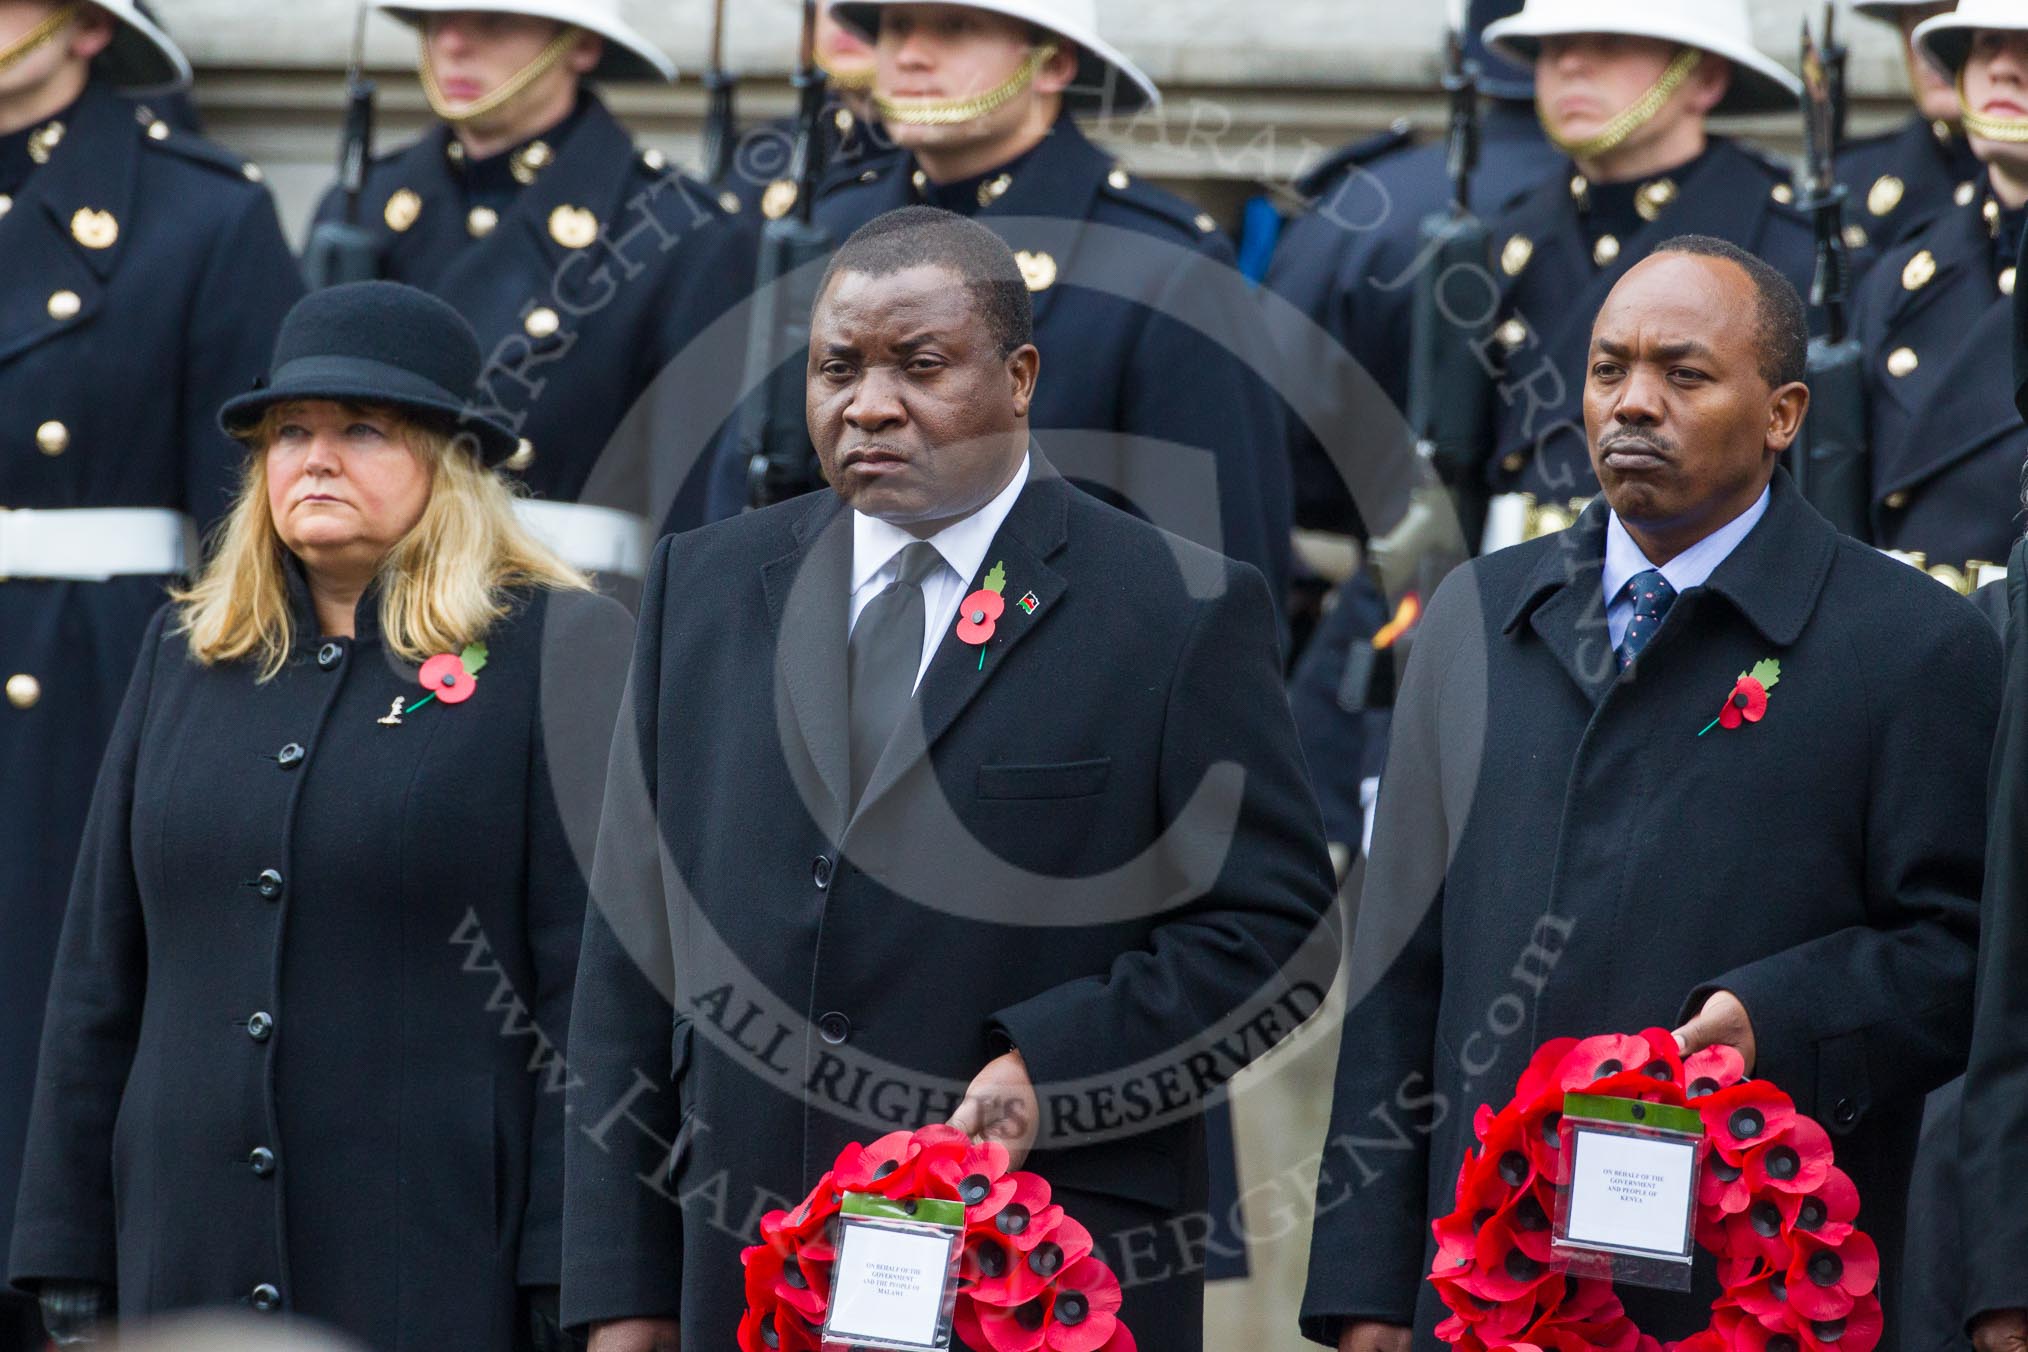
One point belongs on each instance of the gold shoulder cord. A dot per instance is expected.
(514, 86)
(1637, 114)
(2010, 130)
(37, 36)
(957, 112)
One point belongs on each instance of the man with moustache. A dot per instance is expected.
(586, 263)
(1803, 888)
(1625, 91)
(993, 864)
(1899, 179)
(143, 274)
(1160, 405)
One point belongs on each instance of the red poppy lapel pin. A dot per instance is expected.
(980, 615)
(1748, 701)
(450, 678)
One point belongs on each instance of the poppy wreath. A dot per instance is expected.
(1797, 1274)
(1027, 1279)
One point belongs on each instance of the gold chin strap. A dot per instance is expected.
(511, 89)
(847, 81)
(957, 112)
(2011, 130)
(1635, 116)
(35, 37)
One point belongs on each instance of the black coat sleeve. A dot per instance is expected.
(1880, 1012)
(1994, 1140)
(1367, 1242)
(622, 1229)
(1227, 729)
(585, 642)
(63, 1228)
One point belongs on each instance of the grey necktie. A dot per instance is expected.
(883, 657)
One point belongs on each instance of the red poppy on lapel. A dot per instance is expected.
(1748, 701)
(452, 677)
(979, 616)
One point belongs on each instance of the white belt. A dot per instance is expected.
(92, 544)
(596, 539)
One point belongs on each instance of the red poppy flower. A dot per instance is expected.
(1829, 1212)
(1495, 1322)
(1797, 1161)
(804, 1287)
(991, 1328)
(1716, 1067)
(1826, 1280)
(1858, 1331)
(886, 1168)
(1540, 1078)
(1600, 1058)
(1481, 1196)
(1504, 1270)
(1747, 702)
(772, 1323)
(1028, 1216)
(1010, 1277)
(445, 677)
(1086, 1310)
(1745, 1116)
(979, 615)
(1743, 1332)
(1757, 1232)
(976, 1176)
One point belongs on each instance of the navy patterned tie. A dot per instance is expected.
(1652, 598)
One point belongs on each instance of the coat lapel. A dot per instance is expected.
(1565, 608)
(92, 170)
(809, 603)
(1034, 532)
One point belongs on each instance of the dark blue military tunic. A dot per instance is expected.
(587, 266)
(1561, 248)
(764, 155)
(1936, 322)
(114, 358)
(1900, 180)
(1151, 392)
(1349, 263)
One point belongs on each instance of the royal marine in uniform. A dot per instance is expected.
(1630, 115)
(587, 264)
(1348, 262)
(1935, 319)
(1900, 179)
(143, 274)
(1137, 403)
(763, 157)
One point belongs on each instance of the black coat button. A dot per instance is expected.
(1845, 1112)
(267, 1298)
(261, 1161)
(820, 871)
(330, 655)
(834, 1027)
(259, 1024)
(269, 885)
(290, 756)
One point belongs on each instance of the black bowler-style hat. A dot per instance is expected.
(378, 343)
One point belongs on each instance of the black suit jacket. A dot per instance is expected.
(1559, 852)
(1099, 847)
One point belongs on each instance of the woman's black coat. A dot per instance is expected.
(301, 1051)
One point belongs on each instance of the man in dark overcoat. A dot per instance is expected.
(1570, 842)
(886, 869)
(143, 273)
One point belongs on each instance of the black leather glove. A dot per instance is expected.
(542, 1318)
(70, 1311)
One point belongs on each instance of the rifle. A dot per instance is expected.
(1835, 56)
(774, 433)
(343, 250)
(721, 127)
(1448, 389)
(1830, 460)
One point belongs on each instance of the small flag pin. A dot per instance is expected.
(1029, 603)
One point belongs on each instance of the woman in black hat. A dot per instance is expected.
(303, 1046)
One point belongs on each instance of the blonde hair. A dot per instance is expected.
(442, 586)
